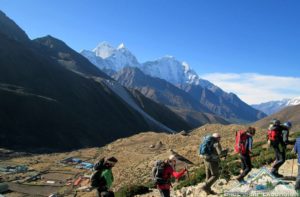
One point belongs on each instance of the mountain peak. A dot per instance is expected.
(121, 46)
(168, 57)
(52, 42)
(104, 43)
(9, 28)
(186, 66)
(103, 50)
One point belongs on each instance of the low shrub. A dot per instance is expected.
(132, 190)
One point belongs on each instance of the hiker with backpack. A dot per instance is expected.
(102, 178)
(243, 146)
(162, 173)
(286, 127)
(211, 151)
(275, 139)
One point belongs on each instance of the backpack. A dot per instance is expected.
(96, 179)
(158, 171)
(240, 142)
(206, 146)
(274, 133)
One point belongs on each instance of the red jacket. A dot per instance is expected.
(167, 175)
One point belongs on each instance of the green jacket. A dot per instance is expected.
(108, 176)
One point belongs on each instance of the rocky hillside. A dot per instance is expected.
(163, 92)
(53, 99)
(226, 105)
(291, 113)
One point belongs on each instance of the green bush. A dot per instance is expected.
(295, 134)
(195, 177)
(132, 190)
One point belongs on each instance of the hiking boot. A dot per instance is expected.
(212, 192)
(206, 189)
(277, 175)
(241, 180)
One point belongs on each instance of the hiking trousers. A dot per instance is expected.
(297, 185)
(105, 193)
(212, 172)
(280, 157)
(246, 165)
(164, 192)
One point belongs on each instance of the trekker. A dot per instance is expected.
(211, 152)
(275, 138)
(163, 172)
(103, 178)
(297, 151)
(244, 142)
(286, 127)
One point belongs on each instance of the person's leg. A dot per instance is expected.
(98, 193)
(247, 166)
(297, 185)
(274, 170)
(106, 194)
(207, 170)
(282, 158)
(111, 194)
(214, 170)
(164, 192)
(243, 162)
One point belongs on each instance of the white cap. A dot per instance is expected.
(172, 157)
(216, 135)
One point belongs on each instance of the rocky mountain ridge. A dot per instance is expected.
(272, 107)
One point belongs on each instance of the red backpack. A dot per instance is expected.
(240, 142)
(273, 135)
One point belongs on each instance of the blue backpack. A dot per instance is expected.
(206, 146)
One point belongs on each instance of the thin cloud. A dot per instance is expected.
(256, 88)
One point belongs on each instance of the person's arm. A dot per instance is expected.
(177, 175)
(285, 136)
(250, 144)
(295, 149)
(218, 148)
(108, 176)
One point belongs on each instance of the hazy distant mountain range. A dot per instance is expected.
(272, 107)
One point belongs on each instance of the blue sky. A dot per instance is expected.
(221, 37)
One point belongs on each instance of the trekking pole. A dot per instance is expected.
(187, 172)
(292, 167)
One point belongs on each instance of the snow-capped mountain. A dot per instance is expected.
(168, 67)
(111, 60)
(294, 101)
(105, 56)
(171, 70)
(272, 107)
